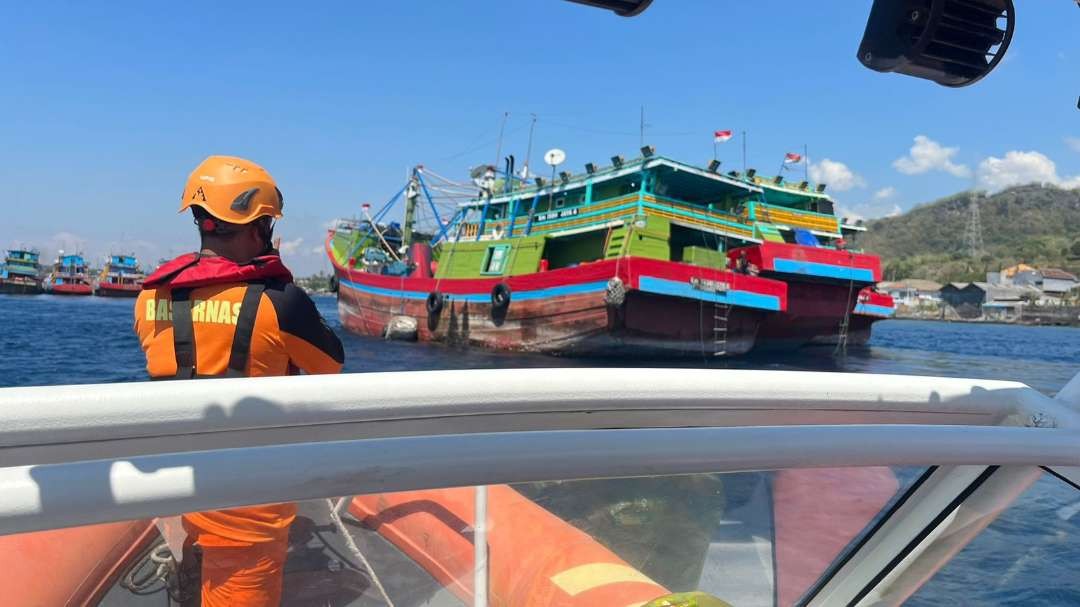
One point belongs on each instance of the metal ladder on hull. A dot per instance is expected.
(721, 311)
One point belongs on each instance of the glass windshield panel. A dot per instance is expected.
(1030, 555)
(759, 538)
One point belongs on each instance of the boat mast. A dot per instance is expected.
(498, 147)
(528, 149)
(412, 197)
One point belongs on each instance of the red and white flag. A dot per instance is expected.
(790, 158)
(721, 136)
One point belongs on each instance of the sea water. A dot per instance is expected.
(1028, 556)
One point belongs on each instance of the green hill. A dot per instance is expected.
(1038, 225)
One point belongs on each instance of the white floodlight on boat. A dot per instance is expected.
(714, 165)
(617, 161)
(821, 188)
(565, 176)
(590, 168)
(648, 151)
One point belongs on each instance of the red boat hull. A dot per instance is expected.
(105, 289)
(816, 313)
(830, 294)
(71, 289)
(804, 295)
(573, 311)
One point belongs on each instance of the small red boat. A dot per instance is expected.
(69, 276)
(120, 277)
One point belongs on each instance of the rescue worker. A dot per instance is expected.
(231, 310)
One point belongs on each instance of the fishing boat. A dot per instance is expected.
(645, 256)
(69, 276)
(20, 273)
(120, 277)
(548, 487)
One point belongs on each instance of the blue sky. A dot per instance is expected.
(108, 106)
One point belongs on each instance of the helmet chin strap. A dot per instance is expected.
(268, 238)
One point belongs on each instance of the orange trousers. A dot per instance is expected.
(247, 576)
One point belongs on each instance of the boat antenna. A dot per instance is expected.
(641, 128)
(806, 163)
(744, 151)
(498, 148)
(528, 150)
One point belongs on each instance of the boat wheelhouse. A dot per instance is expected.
(649, 254)
(69, 276)
(20, 272)
(121, 277)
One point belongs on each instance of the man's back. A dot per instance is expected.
(287, 334)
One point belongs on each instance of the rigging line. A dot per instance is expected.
(841, 338)
(451, 191)
(339, 525)
(452, 188)
(621, 133)
(481, 145)
(431, 173)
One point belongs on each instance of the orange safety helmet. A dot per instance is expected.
(233, 190)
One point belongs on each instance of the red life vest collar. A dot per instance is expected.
(195, 270)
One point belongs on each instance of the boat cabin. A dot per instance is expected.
(651, 207)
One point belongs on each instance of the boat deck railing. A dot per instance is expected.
(601, 212)
(83, 454)
(794, 218)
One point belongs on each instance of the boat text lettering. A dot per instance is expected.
(709, 286)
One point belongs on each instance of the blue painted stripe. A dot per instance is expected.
(874, 310)
(585, 287)
(827, 270)
(745, 299)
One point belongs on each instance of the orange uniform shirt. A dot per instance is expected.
(289, 335)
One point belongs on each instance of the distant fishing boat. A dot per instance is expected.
(646, 256)
(69, 276)
(20, 273)
(121, 277)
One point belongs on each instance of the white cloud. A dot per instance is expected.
(928, 155)
(317, 250)
(849, 213)
(836, 174)
(68, 242)
(867, 210)
(291, 247)
(1018, 168)
(885, 193)
(1073, 143)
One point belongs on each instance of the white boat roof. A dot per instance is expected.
(76, 455)
(629, 167)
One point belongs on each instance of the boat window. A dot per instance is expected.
(614, 188)
(575, 249)
(759, 538)
(495, 259)
(1029, 555)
